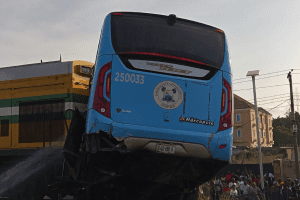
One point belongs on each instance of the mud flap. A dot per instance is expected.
(74, 138)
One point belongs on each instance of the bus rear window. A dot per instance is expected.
(152, 34)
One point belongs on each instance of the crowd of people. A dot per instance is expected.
(247, 185)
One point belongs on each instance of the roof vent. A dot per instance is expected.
(171, 19)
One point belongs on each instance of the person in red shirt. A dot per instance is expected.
(255, 180)
(228, 176)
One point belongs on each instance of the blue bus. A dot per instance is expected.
(162, 85)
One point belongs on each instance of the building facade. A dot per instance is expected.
(245, 133)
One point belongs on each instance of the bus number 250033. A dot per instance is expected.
(133, 78)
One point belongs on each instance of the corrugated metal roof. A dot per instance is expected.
(35, 70)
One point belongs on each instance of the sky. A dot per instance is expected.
(262, 35)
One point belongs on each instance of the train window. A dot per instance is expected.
(4, 128)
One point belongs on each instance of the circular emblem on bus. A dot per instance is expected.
(168, 95)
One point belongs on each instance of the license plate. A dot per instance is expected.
(165, 148)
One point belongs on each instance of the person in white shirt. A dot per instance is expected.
(241, 186)
(218, 186)
(232, 182)
(233, 191)
(255, 188)
(246, 188)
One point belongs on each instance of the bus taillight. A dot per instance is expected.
(108, 84)
(223, 101)
(225, 119)
(102, 93)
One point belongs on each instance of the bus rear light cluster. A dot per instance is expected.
(103, 88)
(225, 119)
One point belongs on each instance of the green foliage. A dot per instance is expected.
(282, 130)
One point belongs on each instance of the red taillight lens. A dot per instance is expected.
(225, 119)
(102, 93)
(222, 146)
(223, 101)
(108, 85)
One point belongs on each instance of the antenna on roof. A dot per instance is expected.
(60, 58)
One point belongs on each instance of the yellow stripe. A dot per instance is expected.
(34, 86)
(57, 84)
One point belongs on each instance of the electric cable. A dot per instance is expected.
(264, 74)
(261, 78)
(270, 96)
(267, 86)
(255, 118)
(272, 102)
(271, 99)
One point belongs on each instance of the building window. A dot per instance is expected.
(252, 117)
(4, 128)
(239, 133)
(253, 133)
(238, 117)
(264, 133)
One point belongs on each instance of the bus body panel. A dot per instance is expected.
(132, 92)
(92, 115)
(138, 106)
(105, 46)
(226, 67)
(135, 113)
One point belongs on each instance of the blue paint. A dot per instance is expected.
(137, 111)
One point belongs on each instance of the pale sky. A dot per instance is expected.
(262, 35)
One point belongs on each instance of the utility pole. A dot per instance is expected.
(289, 76)
(253, 74)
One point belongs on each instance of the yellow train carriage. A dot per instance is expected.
(33, 99)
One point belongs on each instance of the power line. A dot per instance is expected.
(271, 99)
(254, 117)
(283, 106)
(267, 86)
(261, 78)
(277, 105)
(272, 102)
(263, 74)
(270, 96)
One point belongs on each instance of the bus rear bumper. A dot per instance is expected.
(183, 149)
(186, 143)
